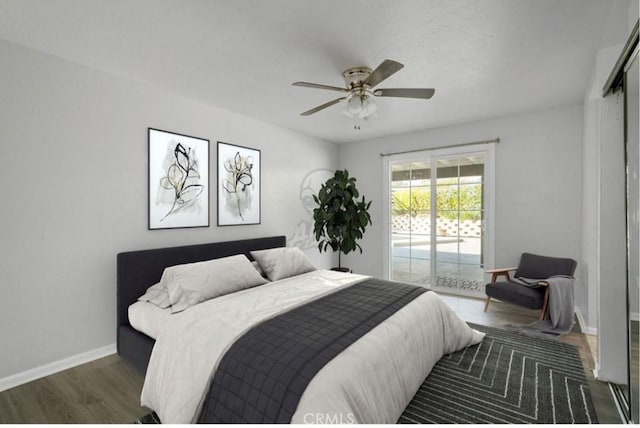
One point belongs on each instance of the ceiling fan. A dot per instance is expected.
(360, 90)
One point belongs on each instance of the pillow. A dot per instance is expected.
(193, 283)
(158, 295)
(258, 268)
(279, 263)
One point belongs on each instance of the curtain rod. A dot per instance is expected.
(495, 140)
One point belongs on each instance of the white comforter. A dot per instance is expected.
(372, 381)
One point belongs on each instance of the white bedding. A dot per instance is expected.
(372, 381)
(148, 318)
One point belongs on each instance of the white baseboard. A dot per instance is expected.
(635, 316)
(54, 367)
(591, 331)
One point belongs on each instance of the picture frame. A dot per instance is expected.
(238, 185)
(178, 180)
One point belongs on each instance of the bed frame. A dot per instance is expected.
(138, 270)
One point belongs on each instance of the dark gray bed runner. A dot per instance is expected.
(262, 376)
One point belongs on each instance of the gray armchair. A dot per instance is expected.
(527, 288)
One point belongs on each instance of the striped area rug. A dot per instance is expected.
(507, 378)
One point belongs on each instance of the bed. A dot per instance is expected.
(137, 270)
(369, 380)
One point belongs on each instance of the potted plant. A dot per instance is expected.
(340, 219)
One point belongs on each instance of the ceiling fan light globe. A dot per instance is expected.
(369, 106)
(360, 105)
(372, 116)
(353, 106)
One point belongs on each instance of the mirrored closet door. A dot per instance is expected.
(623, 83)
(632, 149)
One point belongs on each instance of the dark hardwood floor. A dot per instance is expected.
(102, 391)
(108, 390)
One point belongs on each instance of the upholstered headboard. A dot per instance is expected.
(138, 270)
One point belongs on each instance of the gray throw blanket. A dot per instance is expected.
(559, 318)
(263, 375)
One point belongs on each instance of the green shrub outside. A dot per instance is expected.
(468, 198)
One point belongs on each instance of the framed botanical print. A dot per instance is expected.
(238, 185)
(178, 180)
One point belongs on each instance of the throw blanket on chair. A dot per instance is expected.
(265, 372)
(559, 318)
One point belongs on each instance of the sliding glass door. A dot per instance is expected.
(459, 213)
(437, 217)
(411, 229)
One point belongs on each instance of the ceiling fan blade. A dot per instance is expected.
(384, 70)
(318, 86)
(322, 107)
(424, 93)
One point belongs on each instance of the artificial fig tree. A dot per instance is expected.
(340, 219)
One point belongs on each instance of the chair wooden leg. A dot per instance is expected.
(545, 304)
(486, 303)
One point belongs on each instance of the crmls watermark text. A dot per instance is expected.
(325, 419)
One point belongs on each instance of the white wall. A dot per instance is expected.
(73, 147)
(602, 262)
(588, 265)
(612, 292)
(603, 217)
(538, 181)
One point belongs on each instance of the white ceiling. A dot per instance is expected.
(486, 58)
